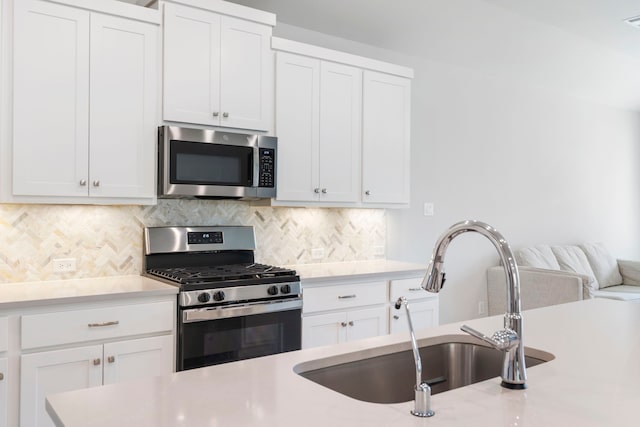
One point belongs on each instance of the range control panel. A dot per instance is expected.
(204, 237)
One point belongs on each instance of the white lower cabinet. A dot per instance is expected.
(334, 328)
(75, 347)
(424, 314)
(423, 306)
(334, 313)
(4, 394)
(57, 371)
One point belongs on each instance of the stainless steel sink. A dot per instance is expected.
(390, 378)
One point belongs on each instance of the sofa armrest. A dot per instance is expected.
(630, 272)
(538, 288)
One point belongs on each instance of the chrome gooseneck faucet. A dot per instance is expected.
(508, 340)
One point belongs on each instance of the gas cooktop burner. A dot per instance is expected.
(212, 274)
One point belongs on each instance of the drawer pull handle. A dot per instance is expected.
(415, 289)
(351, 323)
(343, 324)
(1, 376)
(395, 316)
(111, 359)
(98, 325)
(346, 296)
(96, 362)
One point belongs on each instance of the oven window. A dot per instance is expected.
(211, 164)
(226, 340)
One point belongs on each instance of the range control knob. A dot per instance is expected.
(218, 296)
(285, 289)
(272, 290)
(204, 297)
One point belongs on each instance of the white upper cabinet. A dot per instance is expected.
(84, 105)
(343, 130)
(218, 69)
(50, 99)
(386, 138)
(318, 127)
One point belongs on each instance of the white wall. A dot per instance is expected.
(539, 163)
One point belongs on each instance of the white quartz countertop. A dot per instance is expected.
(594, 380)
(15, 295)
(354, 269)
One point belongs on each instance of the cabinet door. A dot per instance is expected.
(367, 323)
(50, 99)
(4, 396)
(246, 75)
(340, 124)
(297, 126)
(324, 329)
(141, 358)
(123, 118)
(424, 314)
(191, 65)
(51, 372)
(385, 138)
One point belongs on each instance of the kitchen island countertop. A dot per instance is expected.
(593, 381)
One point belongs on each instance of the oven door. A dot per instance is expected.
(214, 335)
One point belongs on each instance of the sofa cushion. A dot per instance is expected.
(572, 258)
(604, 266)
(539, 256)
(621, 292)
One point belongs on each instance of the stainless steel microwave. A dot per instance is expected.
(206, 163)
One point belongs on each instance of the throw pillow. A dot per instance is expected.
(573, 259)
(604, 266)
(539, 256)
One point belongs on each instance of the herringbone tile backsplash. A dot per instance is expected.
(107, 240)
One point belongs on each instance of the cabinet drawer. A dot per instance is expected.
(344, 296)
(408, 288)
(65, 327)
(4, 334)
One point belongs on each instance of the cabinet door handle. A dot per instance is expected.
(351, 323)
(324, 191)
(111, 359)
(346, 296)
(225, 114)
(368, 193)
(96, 362)
(395, 316)
(216, 114)
(316, 190)
(1, 376)
(96, 183)
(83, 182)
(98, 325)
(343, 324)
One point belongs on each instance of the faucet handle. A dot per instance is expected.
(503, 340)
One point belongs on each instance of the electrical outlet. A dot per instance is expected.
(317, 253)
(428, 209)
(481, 307)
(64, 265)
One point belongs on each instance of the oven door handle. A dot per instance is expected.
(213, 313)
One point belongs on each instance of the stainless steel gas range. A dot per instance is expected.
(229, 307)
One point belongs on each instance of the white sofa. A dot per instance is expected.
(552, 275)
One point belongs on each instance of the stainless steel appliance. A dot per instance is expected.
(229, 307)
(205, 163)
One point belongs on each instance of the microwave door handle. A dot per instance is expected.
(256, 166)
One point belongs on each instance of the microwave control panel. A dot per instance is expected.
(267, 167)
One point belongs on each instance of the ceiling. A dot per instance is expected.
(378, 21)
(581, 47)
